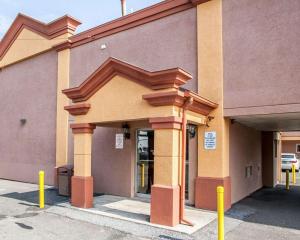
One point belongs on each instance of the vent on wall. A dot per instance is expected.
(248, 171)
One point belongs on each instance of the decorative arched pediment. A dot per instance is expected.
(118, 91)
(170, 78)
(37, 30)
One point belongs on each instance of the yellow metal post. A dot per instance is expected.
(294, 173)
(287, 180)
(143, 175)
(41, 189)
(220, 198)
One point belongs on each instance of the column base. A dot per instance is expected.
(164, 205)
(82, 192)
(206, 192)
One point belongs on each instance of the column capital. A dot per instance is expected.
(171, 122)
(82, 128)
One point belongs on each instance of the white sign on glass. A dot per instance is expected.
(210, 140)
(119, 141)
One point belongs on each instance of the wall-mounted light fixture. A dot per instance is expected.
(192, 130)
(23, 121)
(209, 119)
(126, 130)
(103, 46)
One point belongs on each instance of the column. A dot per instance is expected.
(165, 192)
(213, 164)
(82, 181)
(62, 116)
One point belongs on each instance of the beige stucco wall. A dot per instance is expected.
(62, 116)
(244, 150)
(167, 145)
(121, 99)
(212, 163)
(27, 44)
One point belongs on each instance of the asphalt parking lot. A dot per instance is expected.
(267, 214)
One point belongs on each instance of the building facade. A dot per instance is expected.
(290, 142)
(188, 88)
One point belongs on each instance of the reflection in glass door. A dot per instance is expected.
(145, 161)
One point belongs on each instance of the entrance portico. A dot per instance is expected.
(118, 93)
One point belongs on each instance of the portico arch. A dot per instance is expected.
(119, 92)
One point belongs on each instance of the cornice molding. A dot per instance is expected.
(166, 122)
(170, 78)
(78, 109)
(146, 15)
(177, 98)
(197, 2)
(79, 128)
(58, 27)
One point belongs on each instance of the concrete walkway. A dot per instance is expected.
(137, 210)
(269, 214)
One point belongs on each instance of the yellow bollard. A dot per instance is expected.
(287, 179)
(143, 175)
(220, 198)
(294, 173)
(41, 189)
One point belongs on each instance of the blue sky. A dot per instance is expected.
(90, 12)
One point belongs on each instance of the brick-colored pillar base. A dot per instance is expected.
(206, 192)
(82, 192)
(164, 205)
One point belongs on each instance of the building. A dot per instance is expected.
(290, 142)
(115, 101)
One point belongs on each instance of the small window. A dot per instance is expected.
(297, 148)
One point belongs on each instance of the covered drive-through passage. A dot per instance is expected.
(121, 95)
(270, 135)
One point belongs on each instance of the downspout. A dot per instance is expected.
(187, 103)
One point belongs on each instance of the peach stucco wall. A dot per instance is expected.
(27, 44)
(244, 150)
(28, 91)
(162, 44)
(261, 56)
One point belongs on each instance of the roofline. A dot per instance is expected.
(164, 79)
(55, 28)
(146, 15)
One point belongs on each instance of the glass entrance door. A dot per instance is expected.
(145, 161)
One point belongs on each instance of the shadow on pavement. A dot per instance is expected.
(51, 196)
(270, 206)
